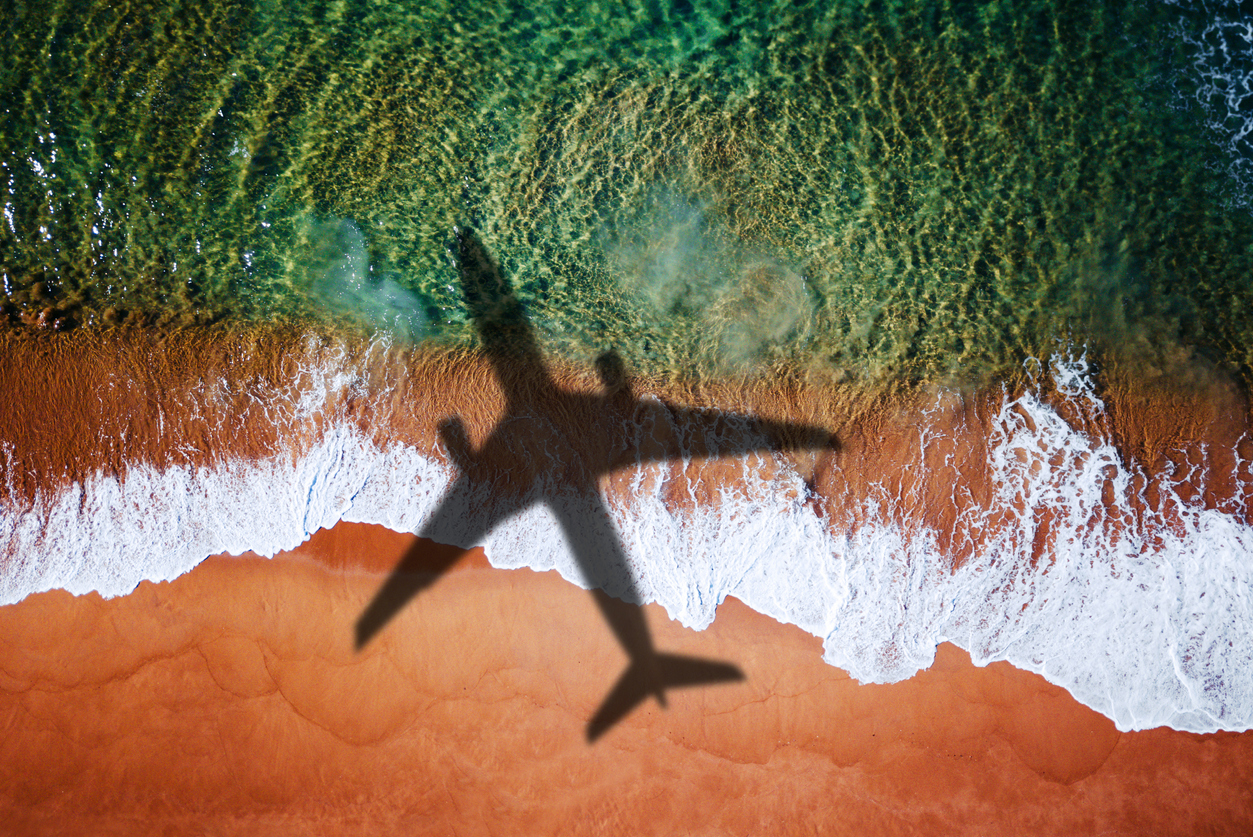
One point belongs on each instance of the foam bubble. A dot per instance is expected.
(1219, 39)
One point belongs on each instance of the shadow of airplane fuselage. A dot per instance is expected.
(511, 347)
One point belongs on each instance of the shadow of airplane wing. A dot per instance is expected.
(416, 570)
(599, 552)
(712, 433)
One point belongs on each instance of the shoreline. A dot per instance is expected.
(1013, 524)
(230, 699)
(86, 403)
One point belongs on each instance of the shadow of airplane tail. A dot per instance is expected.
(652, 675)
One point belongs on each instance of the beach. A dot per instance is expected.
(642, 418)
(231, 697)
(231, 701)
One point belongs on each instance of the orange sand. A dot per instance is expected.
(230, 701)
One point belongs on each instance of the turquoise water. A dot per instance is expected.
(878, 192)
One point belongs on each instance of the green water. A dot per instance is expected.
(878, 191)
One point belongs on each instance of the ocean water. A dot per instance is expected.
(879, 191)
(929, 198)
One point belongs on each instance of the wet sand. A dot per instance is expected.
(87, 402)
(231, 701)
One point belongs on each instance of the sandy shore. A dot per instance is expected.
(231, 701)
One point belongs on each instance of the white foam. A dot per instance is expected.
(1146, 620)
(1220, 78)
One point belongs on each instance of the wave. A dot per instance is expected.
(1012, 527)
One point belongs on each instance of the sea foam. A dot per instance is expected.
(1144, 614)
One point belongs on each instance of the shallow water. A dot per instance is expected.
(879, 191)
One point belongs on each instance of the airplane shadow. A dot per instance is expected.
(543, 434)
